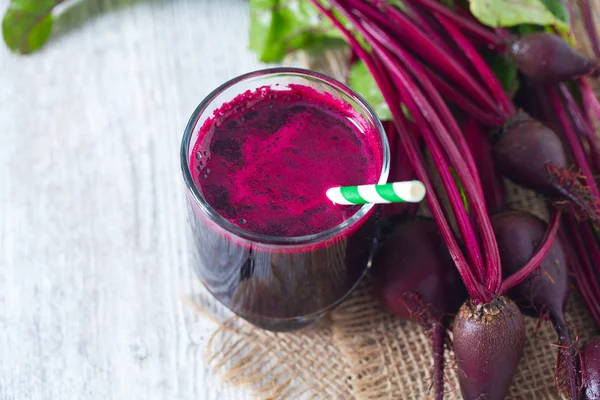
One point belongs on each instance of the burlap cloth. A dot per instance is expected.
(360, 351)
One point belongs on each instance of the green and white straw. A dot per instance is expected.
(395, 192)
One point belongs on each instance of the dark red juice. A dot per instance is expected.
(263, 162)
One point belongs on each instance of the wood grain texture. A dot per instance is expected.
(93, 258)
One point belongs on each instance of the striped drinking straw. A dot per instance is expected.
(395, 192)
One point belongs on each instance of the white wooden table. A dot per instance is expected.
(93, 260)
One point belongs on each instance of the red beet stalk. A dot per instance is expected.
(528, 153)
(481, 147)
(414, 100)
(588, 21)
(489, 370)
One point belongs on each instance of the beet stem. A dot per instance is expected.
(584, 125)
(421, 44)
(590, 98)
(567, 351)
(426, 22)
(591, 245)
(415, 101)
(473, 251)
(591, 105)
(451, 66)
(454, 196)
(483, 116)
(571, 136)
(585, 245)
(588, 22)
(482, 68)
(474, 288)
(537, 258)
(490, 180)
(470, 181)
(455, 136)
(482, 34)
(577, 259)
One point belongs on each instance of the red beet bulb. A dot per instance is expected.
(590, 355)
(532, 155)
(488, 343)
(547, 58)
(415, 278)
(544, 292)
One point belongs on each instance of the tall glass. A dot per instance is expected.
(279, 283)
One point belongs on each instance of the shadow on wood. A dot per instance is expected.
(73, 15)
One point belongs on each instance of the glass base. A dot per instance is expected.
(281, 325)
(293, 324)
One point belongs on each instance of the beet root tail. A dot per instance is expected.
(573, 196)
(567, 363)
(488, 344)
(437, 340)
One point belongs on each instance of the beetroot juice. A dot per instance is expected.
(260, 153)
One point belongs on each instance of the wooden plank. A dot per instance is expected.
(93, 263)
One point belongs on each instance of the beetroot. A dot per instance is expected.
(547, 58)
(530, 154)
(488, 343)
(415, 278)
(542, 293)
(524, 149)
(518, 234)
(590, 355)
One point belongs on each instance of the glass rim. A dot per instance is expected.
(294, 241)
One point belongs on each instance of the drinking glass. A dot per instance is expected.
(279, 283)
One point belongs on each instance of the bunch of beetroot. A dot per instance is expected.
(428, 60)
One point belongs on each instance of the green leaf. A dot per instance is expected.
(461, 189)
(27, 24)
(506, 72)
(596, 231)
(363, 83)
(514, 12)
(279, 27)
(398, 3)
(559, 9)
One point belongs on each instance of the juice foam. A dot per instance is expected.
(265, 160)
